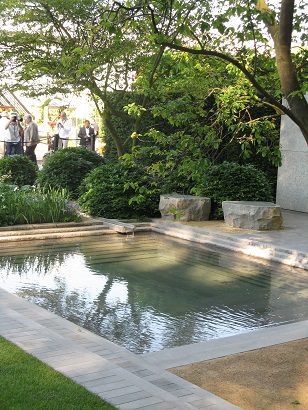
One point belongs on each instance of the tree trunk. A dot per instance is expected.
(116, 139)
(282, 36)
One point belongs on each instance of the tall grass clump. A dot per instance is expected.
(29, 205)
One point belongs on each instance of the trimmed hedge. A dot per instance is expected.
(18, 170)
(233, 182)
(67, 167)
(119, 191)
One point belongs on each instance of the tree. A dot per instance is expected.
(74, 45)
(226, 28)
(55, 46)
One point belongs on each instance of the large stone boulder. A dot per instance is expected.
(184, 207)
(254, 215)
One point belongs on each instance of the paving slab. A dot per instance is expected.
(212, 349)
(134, 382)
(115, 374)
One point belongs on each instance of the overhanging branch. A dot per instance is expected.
(242, 68)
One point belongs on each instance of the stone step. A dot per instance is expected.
(244, 245)
(61, 225)
(56, 235)
(143, 228)
(91, 227)
(126, 226)
(52, 229)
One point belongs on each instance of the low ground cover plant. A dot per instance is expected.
(26, 383)
(233, 182)
(29, 205)
(67, 167)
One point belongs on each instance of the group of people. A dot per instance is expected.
(86, 132)
(16, 137)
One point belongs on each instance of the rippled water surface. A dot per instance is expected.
(151, 292)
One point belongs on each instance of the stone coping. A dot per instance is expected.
(247, 246)
(263, 244)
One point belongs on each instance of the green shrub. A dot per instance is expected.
(28, 205)
(67, 167)
(18, 170)
(233, 182)
(119, 191)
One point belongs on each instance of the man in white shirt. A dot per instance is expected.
(13, 136)
(64, 127)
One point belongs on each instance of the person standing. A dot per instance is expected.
(31, 137)
(64, 127)
(4, 117)
(13, 136)
(94, 125)
(86, 133)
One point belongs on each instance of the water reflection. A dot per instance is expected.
(151, 292)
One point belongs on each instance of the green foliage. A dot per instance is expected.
(18, 170)
(127, 40)
(193, 116)
(67, 167)
(176, 215)
(176, 161)
(27, 383)
(28, 205)
(119, 191)
(233, 182)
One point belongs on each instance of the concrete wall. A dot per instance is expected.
(292, 184)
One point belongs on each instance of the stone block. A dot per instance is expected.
(184, 207)
(254, 215)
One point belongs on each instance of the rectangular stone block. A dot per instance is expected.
(254, 215)
(185, 208)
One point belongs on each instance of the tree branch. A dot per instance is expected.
(247, 74)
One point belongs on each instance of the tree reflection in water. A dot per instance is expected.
(151, 292)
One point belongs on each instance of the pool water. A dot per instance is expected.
(150, 292)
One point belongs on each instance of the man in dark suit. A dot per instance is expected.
(86, 133)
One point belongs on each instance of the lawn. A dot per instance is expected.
(26, 383)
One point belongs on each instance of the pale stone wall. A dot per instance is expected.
(292, 184)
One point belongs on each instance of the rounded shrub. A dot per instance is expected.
(233, 182)
(67, 167)
(18, 170)
(119, 191)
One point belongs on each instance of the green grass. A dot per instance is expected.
(26, 383)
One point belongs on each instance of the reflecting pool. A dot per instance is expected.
(150, 292)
